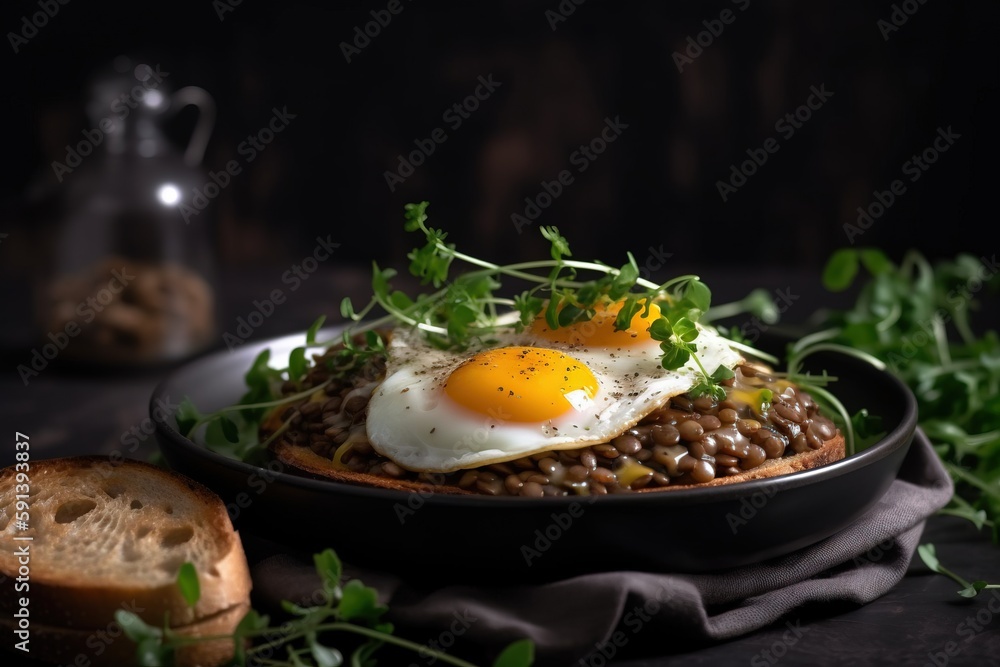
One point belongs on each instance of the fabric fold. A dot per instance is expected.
(570, 620)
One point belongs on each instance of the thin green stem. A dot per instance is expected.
(274, 436)
(364, 311)
(662, 287)
(371, 634)
(403, 317)
(815, 337)
(980, 439)
(963, 514)
(754, 351)
(966, 365)
(886, 323)
(515, 270)
(253, 406)
(383, 321)
(181, 640)
(489, 268)
(818, 380)
(906, 266)
(725, 310)
(961, 320)
(795, 360)
(701, 366)
(971, 479)
(507, 270)
(954, 576)
(841, 410)
(941, 339)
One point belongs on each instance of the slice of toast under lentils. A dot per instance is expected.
(687, 443)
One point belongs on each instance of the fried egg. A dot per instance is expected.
(527, 392)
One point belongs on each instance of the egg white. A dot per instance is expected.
(412, 421)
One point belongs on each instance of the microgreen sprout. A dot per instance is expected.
(970, 589)
(462, 312)
(915, 318)
(347, 608)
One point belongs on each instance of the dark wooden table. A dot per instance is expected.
(919, 622)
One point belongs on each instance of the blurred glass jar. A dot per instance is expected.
(128, 277)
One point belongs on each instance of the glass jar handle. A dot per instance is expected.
(200, 98)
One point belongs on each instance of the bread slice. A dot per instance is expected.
(107, 536)
(110, 648)
(306, 460)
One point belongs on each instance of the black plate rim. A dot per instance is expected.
(900, 436)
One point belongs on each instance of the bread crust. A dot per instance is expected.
(306, 460)
(61, 645)
(72, 603)
(65, 598)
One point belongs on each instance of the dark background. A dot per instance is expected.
(655, 187)
(658, 183)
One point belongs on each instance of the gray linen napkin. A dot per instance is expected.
(585, 618)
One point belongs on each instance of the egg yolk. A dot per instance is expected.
(522, 384)
(600, 331)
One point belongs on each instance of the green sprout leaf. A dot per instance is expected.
(251, 624)
(363, 655)
(347, 309)
(972, 590)
(518, 654)
(294, 659)
(318, 324)
(187, 581)
(914, 319)
(867, 429)
(463, 311)
(559, 246)
(928, 555)
(380, 280)
(876, 262)
(135, 628)
(415, 216)
(685, 330)
(661, 330)
(229, 429)
(324, 656)
(297, 364)
(840, 270)
(625, 280)
(630, 308)
(698, 294)
(187, 416)
(329, 569)
(296, 610)
(673, 356)
(528, 306)
(151, 653)
(708, 389)
(259, 372)
(723, 373)
(759, 302)
(359, 602)
(552, 314)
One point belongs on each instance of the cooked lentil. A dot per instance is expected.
(688, 441)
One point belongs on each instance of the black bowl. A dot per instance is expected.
(487, 539)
